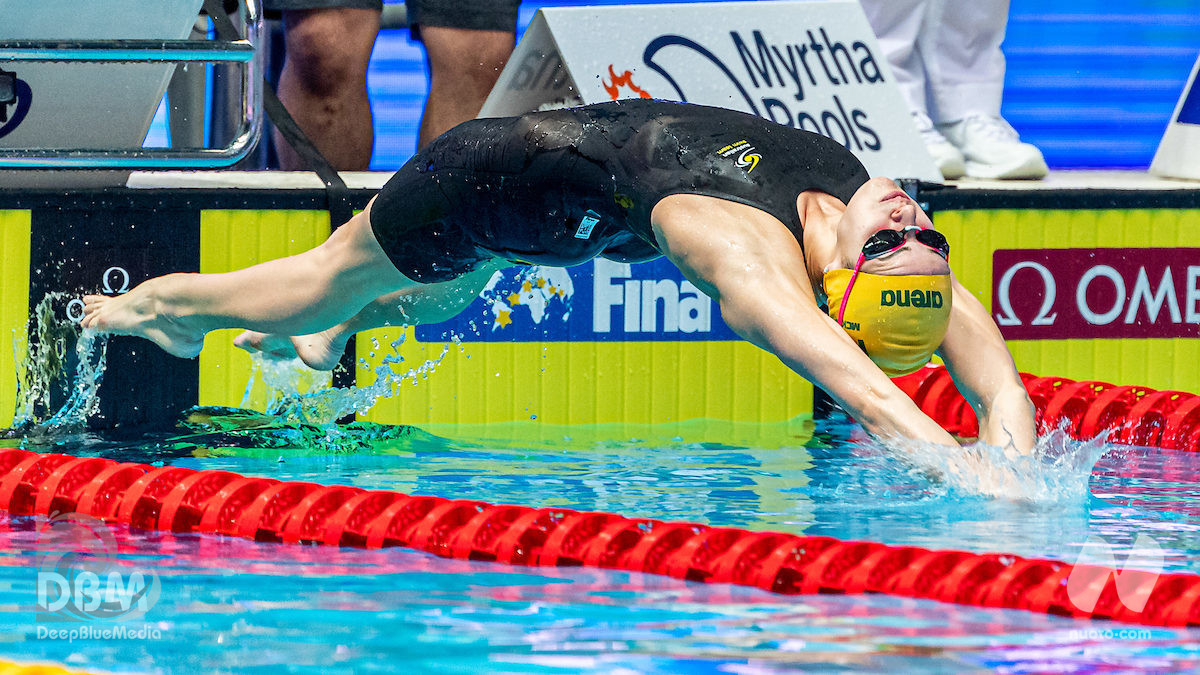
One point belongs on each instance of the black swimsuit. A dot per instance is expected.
(564, 186)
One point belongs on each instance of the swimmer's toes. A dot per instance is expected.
(277, 346)
(249, 340)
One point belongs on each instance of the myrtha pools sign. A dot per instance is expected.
(808, 65)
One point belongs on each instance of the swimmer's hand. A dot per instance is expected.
(975, 468)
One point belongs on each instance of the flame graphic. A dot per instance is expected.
(625, 79)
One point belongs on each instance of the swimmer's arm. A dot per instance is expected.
(756, 274)
(983, 369)
(781, 320)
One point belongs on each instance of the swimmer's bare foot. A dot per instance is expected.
(319, 351)
(275, 346)
(141, 313)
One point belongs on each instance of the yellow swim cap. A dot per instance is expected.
(898, 320)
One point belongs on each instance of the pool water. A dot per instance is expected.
(230, 605)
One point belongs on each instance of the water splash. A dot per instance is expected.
(90, 350)
(1056, 471)
(60, 369)
(295, 396)
(303, 408)
(44, 374)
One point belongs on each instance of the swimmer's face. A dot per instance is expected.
(880, 204)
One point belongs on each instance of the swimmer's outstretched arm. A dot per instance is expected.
(983, 369)
(755, 270)
(300, 294)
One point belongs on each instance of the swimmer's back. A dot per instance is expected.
(563, 186)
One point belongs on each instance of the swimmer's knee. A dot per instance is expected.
(331, 48)
(461, 58)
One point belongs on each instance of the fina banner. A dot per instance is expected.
(813, 65)
(599, 301)
(1178, 153)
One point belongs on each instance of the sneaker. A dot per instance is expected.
(947, 157)
(993, 149)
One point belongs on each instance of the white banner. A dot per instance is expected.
(813, 65)
(1178, 153)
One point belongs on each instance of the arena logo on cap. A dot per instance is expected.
(908, 298)
(1056, 294)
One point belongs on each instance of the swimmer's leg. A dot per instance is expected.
(425, 303)
(297, 295)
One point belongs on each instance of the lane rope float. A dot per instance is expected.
(181, 500)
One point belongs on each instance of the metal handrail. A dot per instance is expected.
(243, 51)
(127, 51)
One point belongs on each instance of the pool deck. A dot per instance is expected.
(1057, 180)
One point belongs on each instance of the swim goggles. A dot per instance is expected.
(884, 242)
(888, 241)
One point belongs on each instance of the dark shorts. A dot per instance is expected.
(498, 15)
(277, 5)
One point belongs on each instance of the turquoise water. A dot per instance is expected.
(229, 605)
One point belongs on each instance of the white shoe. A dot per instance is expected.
(993, 149)
(947, 157)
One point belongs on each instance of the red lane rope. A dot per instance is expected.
(1134, 415)
(184, 500)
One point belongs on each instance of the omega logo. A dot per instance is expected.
(108, 285)
(1007, 316)
(1095, 293)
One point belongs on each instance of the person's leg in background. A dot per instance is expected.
(964, 66)
(466, 45)
(899, 24)
(324, 80)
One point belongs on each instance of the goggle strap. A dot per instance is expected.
(846, 296)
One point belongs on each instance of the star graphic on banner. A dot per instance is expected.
(526, 287)
(541, 283)
(502, 319)
(514, 299)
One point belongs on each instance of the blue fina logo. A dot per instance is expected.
(15, 100)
